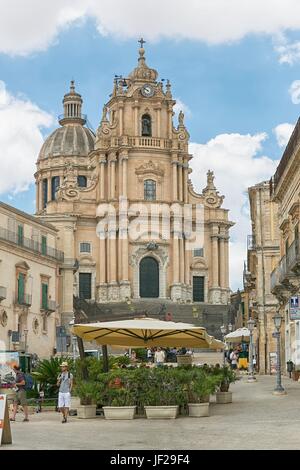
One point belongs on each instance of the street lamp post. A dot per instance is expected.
(251, 324)
(71, 323)
(25, 336)
(223, 331)
(279, 390)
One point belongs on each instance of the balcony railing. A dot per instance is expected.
(2, 293)
(49, 306)
(293, 256)
(25, 299)
(139, 142)
(32, 245)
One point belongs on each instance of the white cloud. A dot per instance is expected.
(32, 25)
(233, 158)
(283, 133)
(20, 140)
(294, 91)
(181, 106)
(289, 53)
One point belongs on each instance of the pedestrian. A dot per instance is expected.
(149, 355)
(21, 398)
(159, 356)
(234, 359)
(65, 384)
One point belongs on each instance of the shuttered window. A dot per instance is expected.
(45, 193)
(44, 296)
(44, 245)
(20, 235)
(21, 288)
(85, 286)
(198, 288)
(82, 181)
(85, 247)
(54, 186)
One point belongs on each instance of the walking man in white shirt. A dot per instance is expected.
(65, 384)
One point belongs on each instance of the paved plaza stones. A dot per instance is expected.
(252, 421)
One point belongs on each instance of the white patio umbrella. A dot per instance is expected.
(241, 335)
(147, 332)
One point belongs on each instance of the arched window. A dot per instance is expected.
(149, 190)
(54, 186)
(146, 126)
(82, 181)
(149, 278)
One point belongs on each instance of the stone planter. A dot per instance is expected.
(224, 397)
(119, 412)
(86, 411)
(197, 410)
(161, 412)
(75, 402)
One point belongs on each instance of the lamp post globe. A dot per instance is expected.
(223, 331)
(230, 327)
(278, 390)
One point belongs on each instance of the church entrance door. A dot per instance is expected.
(149, 278)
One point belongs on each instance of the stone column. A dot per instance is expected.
(37, 196)
(102, 179)
(175, 261)
(170, 122)
(49, 189)
(158, 123)
(120, 177)
(180, 197)
(175, 181)
(185, 182)
(113, 259)
(226, 248)
(102, 253)
(125, 260)
(125, 160)
(121, 117)
(181, 260)
(136, 118)
(222, 263)
(187, 264)
(215, 260)
(113, 179)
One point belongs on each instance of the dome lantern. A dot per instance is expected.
(72, 108)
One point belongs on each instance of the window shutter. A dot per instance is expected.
(20, 235)
(44, 245)
(45, 296)
(21, 288)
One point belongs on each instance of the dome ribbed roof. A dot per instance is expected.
(70, 139)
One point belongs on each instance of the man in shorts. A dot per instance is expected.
(65, 384)
(20, 394)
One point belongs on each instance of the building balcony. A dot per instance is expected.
(139, 142)
(70, 263)
(31, 245)
(293, 258)
(2, 293)
(24, 300)
(49, 306)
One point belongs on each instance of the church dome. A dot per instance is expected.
(72, 138)
(68, 140)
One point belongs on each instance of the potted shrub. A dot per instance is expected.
(86, 392)
(162, 394)
(227, 376)
(121, 403)
(199, 389)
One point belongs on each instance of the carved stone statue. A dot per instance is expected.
(104, 114)
(210, 179)
(181, 118)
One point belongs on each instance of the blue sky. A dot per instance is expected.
(235, 92)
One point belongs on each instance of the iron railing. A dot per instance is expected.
(50, 305)
(25, 299)
(2, 293)
(32, 245)
(293, 255)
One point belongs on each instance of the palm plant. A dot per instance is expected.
(46, 374)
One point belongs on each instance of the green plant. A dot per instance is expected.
(227, 376)
(46, 374)
(87, 392)
(200, 387)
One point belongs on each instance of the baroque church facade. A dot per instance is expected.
(137, 156)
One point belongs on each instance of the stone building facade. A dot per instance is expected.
(262, 257)
(285, 280)
(88, 184)
(29, 277)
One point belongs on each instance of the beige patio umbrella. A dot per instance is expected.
(147, 332)
(241, 335)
